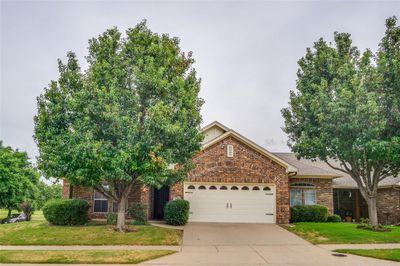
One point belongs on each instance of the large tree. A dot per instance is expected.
(126, 120)
(18, 179)
(346, 110)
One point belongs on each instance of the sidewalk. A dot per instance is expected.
(121, 247)
(359, 246)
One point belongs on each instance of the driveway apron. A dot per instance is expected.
(252, 244)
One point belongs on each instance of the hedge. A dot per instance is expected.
(309, 213)
(176, 212)
(66, 211)
(334, 219)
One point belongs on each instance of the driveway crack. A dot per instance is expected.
(258, 253)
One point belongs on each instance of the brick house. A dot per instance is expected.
(236, 180)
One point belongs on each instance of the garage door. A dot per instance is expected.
(235, 203)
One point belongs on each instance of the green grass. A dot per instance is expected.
(41, 233)
(384, 254)
(343, 233)
(81, 256)
(37, 215)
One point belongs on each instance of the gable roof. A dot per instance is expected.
(227, 132)
(318, 168)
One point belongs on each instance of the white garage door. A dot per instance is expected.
(234, 203)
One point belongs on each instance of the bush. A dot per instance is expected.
(366, 225)
(66, 212)
(334, 218)
(136, 222)
(176, 212)
(138, 212)
(27, 208)
(111, 218)
(309, 213)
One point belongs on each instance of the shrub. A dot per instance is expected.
(137, 222)
(66, 212)
(309, 213)
(334, 218)
(138, 212)
(111, 218)
(176, 212)
(366, 225)
(27, 208)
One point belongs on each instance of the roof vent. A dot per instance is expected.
(229, 150)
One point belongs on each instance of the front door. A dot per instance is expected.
(161, 197)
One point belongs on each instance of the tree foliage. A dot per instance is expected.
(47, 192)
(132, 114)
(18, 178)
(347, 108)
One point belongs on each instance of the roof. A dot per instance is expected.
(227, 132)
(320, 168)
(308, 167)
(216, 132)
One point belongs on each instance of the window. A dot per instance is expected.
(229, 150)
(191, 187)
(223, 188)
(302, 194)
(100, 202)
(234, 188)
(266, 189)
(245, 188)
(115, 206)
(202, 187)
(212, 188)
(256, 188)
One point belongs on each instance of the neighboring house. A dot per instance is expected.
(236, 180)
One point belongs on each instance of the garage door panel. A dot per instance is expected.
(246, 206)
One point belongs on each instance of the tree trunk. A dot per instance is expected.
(372, 211)
(9, 213)
(121, 213)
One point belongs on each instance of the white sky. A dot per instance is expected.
(246, 52)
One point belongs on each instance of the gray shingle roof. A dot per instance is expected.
(319, 168)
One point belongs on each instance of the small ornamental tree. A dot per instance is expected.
(126, 120)
(346, 110)
(18, 179)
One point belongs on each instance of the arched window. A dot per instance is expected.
(191, 187)
(245, 188)
(256, 188)
(202, 187)
(212, 188)
(223, 188)
(266, 188)
(302, 193)
(234, 188)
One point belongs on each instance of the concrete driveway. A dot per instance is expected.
(252, 244)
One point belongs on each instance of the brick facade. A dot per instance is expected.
(246, 166)
(323, 189)
(388, 205)
(138, 194)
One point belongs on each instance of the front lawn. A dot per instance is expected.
(81, 256)
(384, 254)
(36, 215)
(41, 233)
(343, 233)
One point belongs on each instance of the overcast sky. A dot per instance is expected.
(246, 52)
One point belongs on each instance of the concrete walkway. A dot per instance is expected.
(359, 246)
(120, 247)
